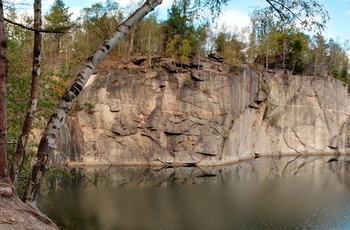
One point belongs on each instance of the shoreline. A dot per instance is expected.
(158, 163)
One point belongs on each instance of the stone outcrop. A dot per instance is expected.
(210, 115)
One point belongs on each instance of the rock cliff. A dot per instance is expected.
(203, 114)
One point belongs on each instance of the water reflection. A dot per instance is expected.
(266, 193)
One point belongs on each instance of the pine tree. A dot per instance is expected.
(58, 18)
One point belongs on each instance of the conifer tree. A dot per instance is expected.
(58, 17)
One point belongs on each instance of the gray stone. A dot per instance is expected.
(170, 66)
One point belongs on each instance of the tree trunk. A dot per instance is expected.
(4, 175)
(267, 56)
(315, 66)
(149, 48)
(20, 149)
(284, 55)
(131, 47)
(48, 139)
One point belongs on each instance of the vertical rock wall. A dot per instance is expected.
(207, 116)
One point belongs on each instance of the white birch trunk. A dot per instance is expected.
(51, 131)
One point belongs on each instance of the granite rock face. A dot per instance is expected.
(210, 115)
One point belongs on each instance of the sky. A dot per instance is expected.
(236, 13)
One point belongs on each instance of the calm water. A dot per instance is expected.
(286, 193)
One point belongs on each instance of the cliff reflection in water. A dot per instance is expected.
(267, 193)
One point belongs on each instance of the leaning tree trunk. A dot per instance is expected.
(4, 176)
(20, 150)
(51, 131)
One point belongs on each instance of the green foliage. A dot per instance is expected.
(102, 20)
(231, 46)
(187, 81)
(58, 172)
(89, 106)
(269, 108)
(337, 60)
(18, 96)
(185, 51)
(172, 46)
(178, 22)
(148, 36)
(298, 43)
(264, 86)
(226, 134)
(52, 87)
(273, 121)
(53, 176)
(220, 42)
(56, 45)
(179, 49)
(344, 74)
(182, 37)
(26, 171)
(299, 67)
(19, 55)
(58, 16)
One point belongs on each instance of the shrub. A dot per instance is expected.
(188, 81)
(89, 106)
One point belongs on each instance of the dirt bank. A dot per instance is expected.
(14, 214)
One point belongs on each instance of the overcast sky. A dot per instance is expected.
(236, 13)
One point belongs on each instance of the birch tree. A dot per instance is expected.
(50, 134)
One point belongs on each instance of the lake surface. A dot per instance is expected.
(266, 193)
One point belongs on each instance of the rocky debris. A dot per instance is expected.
(216, 57)
(188, 65)
(6, 191)
(195, 65)
(141, 60)
(170, 66)
(200, 75)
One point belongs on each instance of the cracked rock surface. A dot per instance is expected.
(203, 116)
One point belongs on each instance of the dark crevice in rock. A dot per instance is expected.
(333, 160)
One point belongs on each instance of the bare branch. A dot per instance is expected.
(284, 7)
(276, 9)
(52, 31)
